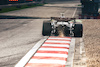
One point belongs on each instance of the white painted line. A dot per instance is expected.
(54, 49)
(60, 38)
(66, 11)
(81, 46)
(51, 55)
(52, 41)
(47, 61)
(26, 58)
(56, 45)
(73, 51)
(74, 12)
(71, 54)
(82, 49)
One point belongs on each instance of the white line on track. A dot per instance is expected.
(71, 54)
(60, 38)
(47, 61)
(26, 58)
(51, 55)
(55, 45)
(54, 49)
(74, 12)
(58, 41)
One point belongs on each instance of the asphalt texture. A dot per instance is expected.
(18, 35)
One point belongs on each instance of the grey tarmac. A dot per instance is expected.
(18, 36)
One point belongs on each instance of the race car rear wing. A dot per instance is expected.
(59, 19)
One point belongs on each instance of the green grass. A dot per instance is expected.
(16, 8)
(79, 5)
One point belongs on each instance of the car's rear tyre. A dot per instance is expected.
(78, 30)
(47, 28)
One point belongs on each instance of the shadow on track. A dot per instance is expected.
(21, 17)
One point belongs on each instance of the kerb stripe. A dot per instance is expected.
(57, 43)
(54, 47)
(56, 52)
(46, 61)
(43, 65)
(53, 53)
(57, 58)
(52, 41)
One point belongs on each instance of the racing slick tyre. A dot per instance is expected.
(78, 30)
(47, 28)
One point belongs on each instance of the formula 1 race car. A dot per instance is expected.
(68, 26)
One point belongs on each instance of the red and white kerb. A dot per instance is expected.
(53, 53)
